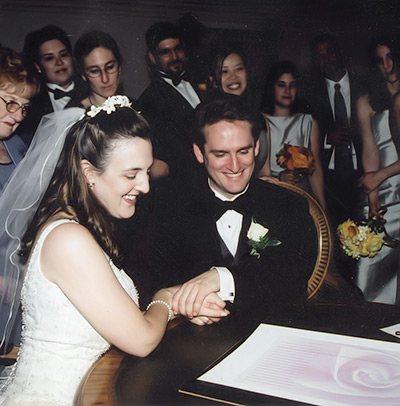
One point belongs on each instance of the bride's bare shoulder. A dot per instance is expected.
(69, 237)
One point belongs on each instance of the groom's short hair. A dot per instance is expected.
(225, 108)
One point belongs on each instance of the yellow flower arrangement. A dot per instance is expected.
(359, 240)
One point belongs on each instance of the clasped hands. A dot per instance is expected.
(197, 299)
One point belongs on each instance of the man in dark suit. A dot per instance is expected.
(210, 230)
(169, 101)
(49, 50)
(331, 93)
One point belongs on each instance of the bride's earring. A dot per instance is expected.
(91, 184)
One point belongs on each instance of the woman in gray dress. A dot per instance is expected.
(289, 127)
(379, 114)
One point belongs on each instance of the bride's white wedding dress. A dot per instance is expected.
(58, 345)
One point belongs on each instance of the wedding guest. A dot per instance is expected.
(169, 101)
(229, 75)
(99, 63)
(289, 126)
(229, 71)
(49, 49)
(201, 231)
(76, 301)
(379, 118)
(330, 92)
(18, 84)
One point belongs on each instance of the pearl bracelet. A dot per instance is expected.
(170, 314)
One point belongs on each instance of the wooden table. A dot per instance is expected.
(186, 350)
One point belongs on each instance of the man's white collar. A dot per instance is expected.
(224, 198)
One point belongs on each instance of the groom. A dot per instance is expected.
(202, 232)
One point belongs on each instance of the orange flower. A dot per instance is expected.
(296, 158)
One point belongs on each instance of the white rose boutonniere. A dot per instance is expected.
(258, 238)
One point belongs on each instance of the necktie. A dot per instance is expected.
(59, 94)
(343, 155)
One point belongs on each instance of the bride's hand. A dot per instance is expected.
(211, 311)
(166, 295)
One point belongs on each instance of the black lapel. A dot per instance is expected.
(172, 95)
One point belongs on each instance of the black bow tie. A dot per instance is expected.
(59, 94)
(240, 205)
(176, 79)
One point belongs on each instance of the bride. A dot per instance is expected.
(76, 301)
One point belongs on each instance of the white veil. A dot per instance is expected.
(19, 201)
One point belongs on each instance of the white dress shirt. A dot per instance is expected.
(186, 90)
(345, 90)
(60, 103)
(229, 226)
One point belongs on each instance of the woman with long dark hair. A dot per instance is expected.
(229, 75)
(379, 117)
(288, 126)
(76, 300)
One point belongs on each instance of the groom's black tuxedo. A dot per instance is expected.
(186, 242)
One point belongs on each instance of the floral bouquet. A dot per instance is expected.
(366, 238)
(359, 241)
(299, 160)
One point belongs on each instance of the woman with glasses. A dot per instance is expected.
(17, 86)
(98, 62)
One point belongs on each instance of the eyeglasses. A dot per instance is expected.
(13, 106)
(95, 72)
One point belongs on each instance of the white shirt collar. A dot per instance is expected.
(54, 86)
(185, 89)
(224, 198)
(344, 82)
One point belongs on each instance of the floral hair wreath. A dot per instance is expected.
(109, 106)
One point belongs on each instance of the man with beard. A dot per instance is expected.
(331, 93)
(169, 101)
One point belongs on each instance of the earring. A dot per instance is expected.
(91, 184)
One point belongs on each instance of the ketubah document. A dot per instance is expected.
(312, 367)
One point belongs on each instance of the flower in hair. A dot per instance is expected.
(109, 105)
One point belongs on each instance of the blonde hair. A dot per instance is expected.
(16, 76)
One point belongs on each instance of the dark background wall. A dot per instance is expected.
(269, 29)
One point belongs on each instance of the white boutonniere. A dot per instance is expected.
(258, 238)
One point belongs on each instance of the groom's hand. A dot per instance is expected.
(189, 298)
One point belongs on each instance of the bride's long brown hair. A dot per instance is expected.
(92, 139)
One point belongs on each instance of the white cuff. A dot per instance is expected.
(226, 284)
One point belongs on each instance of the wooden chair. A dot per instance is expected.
(320, 273)
(10, 357)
